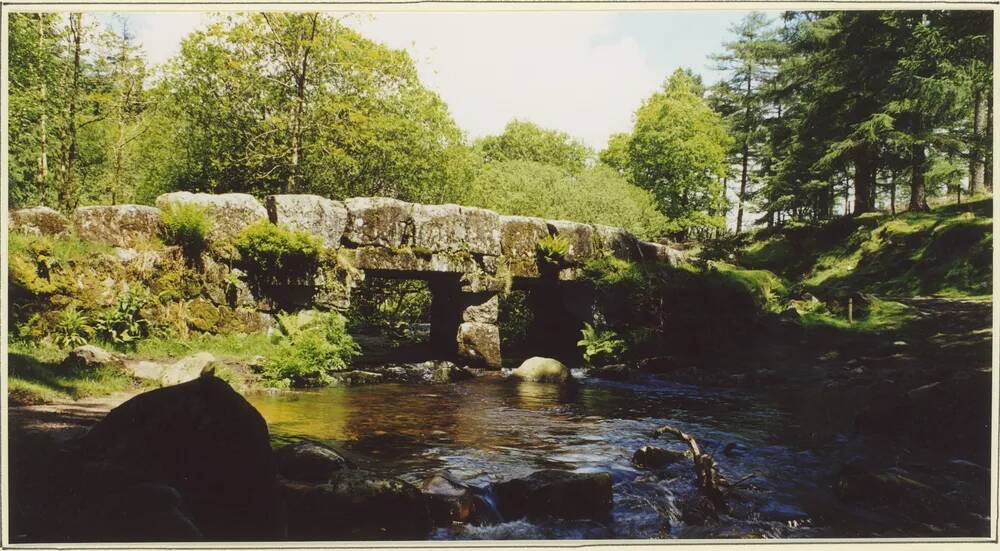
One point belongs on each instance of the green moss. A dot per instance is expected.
(423, 252)
(946, 252)
(767, 289)
(203, 315)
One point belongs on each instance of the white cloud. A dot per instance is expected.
(566, 71)
(159, 33)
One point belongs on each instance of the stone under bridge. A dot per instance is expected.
(467, 255)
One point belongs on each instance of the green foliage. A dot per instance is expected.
(187, 225)
(270, 253)
(600, 346)
(310, 346)
(945, 252)
(389, 306)
(243, 347)
(525, 141)
(72, 328)
(677, 151)
(768, 290)
(607, 271)
(124, 324)
(880, 317)
(596, 195)
(551, 251)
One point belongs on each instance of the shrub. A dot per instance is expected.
(124, 324)
(600, 346)
(72, 328)
(552, 250)
(273, 254)
(310, 346)
(186, 225)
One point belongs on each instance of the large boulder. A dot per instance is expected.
(479, 343)
(542, 370)
(145, 512)
(355, 505)
(308, 461)
(38, 221)
(200, 438)
(660, 252)
(555, 494)
(119, 225)
(230, 212)
(317, 215)
(519, 237)
(378, 221)
(452, 228)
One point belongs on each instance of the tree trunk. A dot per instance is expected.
(918, 193)
(892, 192)
(977, 168)
(68, 191)
(864, 179)
(43, 156)
(988, 159)
(746, 160)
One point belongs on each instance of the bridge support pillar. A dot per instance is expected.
(558, 315)
(464, 324)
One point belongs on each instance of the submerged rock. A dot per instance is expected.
(556, 494)
(448, 501)
(542, 370)
(308, 461)
(650, 457)
(613, 372)
(355, 505)
(201, 438)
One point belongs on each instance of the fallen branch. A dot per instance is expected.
(710, 482)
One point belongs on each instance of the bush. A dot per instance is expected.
(186, 225)
(124, 324)
(310, 346)
(600, 346)
(552, 250)
(273, 254)
(72, 328)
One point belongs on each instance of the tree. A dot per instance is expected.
(750, 61)
(526, 141)
(595, 195)
(678, 152)
(301, 102)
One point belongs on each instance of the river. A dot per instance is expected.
(490, 429)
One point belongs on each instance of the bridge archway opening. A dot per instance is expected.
(400, 317)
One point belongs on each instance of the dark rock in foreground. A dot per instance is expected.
(201, 439)
(308, 461)
(355, 505)
(448, 500)
(556, 494)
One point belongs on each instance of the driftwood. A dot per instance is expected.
(710, 482)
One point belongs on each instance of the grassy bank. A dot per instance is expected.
(946, 253)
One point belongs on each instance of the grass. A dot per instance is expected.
(235, 347)
(767, 289)
(882, 317)
(946, 252)
(62, 249)
(35, 376)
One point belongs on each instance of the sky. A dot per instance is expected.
(583, 73)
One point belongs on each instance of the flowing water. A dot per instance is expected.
(490, 429)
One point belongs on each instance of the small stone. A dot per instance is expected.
(650, 457)
(89, 356)
(308, 461)
(557, 494)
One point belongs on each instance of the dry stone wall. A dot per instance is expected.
(479, 252)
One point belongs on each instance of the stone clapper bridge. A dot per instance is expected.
(467, 255)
